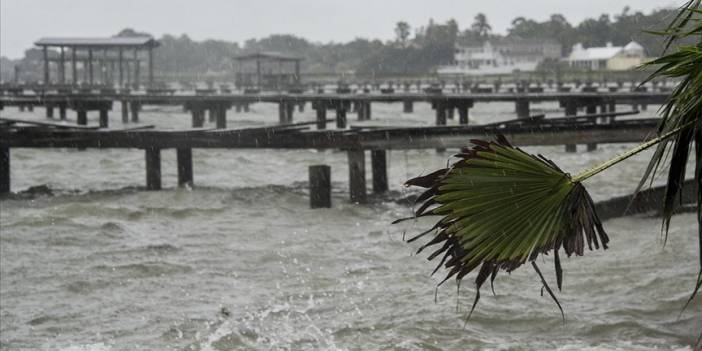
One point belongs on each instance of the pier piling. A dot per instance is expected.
(82, 118)
(104, 118)
(321, 111)
(571, 109)
(153, 168)
(407, 106)
(320, 186)
(522, 107)
(4, 170)
(357, 176)
(135, 107)
(49, 111)
(125, 111)
(591, 109)
(341, 116)
(380, 171)
(62, 112)
(185, 167)
(221, 115)
(198, 118)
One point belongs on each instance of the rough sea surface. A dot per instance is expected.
(239, 262)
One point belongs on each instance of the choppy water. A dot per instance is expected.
(241, 263)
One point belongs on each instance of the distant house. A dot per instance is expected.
(609, 57)
(502, 56)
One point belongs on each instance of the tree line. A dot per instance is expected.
(414, 50)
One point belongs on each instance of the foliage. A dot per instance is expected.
(501, 207)
(683, 108)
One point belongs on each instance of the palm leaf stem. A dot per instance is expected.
(613, 161)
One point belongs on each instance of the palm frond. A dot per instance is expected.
(683, 108)
(500, 208)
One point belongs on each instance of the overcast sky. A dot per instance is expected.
(24, 21)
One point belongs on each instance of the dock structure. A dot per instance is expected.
(105, 52)
(267, 71)
(218, 104)
(356, 142)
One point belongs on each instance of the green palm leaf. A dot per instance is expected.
(683, 108)
(500, 208)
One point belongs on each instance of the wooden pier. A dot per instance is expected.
(357, 142)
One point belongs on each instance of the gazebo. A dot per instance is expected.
(267, 70)
(105, 52)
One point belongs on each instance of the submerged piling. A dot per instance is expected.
(320, 186)
(153, 168)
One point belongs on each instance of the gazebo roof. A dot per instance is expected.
(124, 42)
(268, 56)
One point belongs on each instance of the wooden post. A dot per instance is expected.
(380, 171)
(407, 106)
(125, 112)
(571, 109)
(463, 114)
(151, 66)
(440, 117)
(62, 67)
(104, 118)
(198, 118)
(121, 68)
(282, 111)
(82, 117)
(357, 176)
(62, 112)
(440, 113)
(135, 107)
(289, 111)
(4, 170)
(612, 108)
(301, 107)
(136, 70)
(90, 67)
(185, 167)
(320, 186)
(221, 112)
(341, 116)
(366, 110)
(321, 110)
(74, 67)
(46, 65)
(522, 106)
(49, 111)
(212, 114)
(360, 111)
(591, 109)
(153, 169)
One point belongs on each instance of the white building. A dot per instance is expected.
(610, 58)
(502, 56)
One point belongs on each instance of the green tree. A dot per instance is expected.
(480, 26)
(402, 33)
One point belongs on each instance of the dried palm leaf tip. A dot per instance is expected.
(500, 207)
